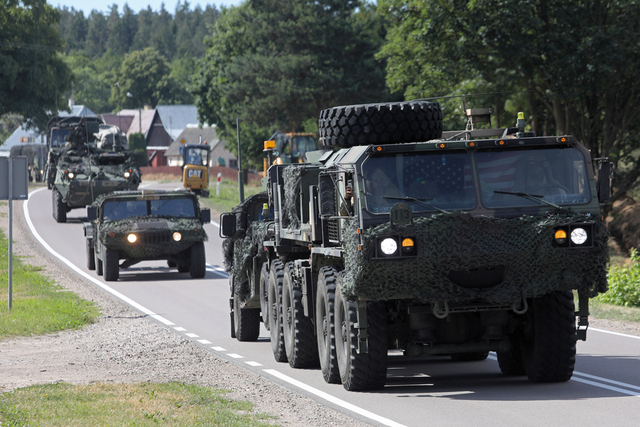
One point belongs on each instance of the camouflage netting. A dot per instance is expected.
(191, 230)
(457, 241)
(291, 215)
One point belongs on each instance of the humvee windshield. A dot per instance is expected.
(123, 209)
(444, 180)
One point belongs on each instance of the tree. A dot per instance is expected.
(33, 77)
(146, 75)
(577, 59)
(275, 64)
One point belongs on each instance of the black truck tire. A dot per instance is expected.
(394, 122)
(91, 259)
(325, 331)
(360, 371)
(264, 295)
(246, 321)
(548, 343)
(111, 265)
(99, 269)
(275, 311)
(197, 261)
(59, 207)
(300, 345)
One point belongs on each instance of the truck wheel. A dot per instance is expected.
(325, 297)
(275, 311)
(246, 321)
(360, 371)
(264, 295)
(511, 362)
(111, 265)
(548, 343)
(98, 266)
(91, 260)
(198, 263)
(300, 345)
(59, 208)
(394, 122)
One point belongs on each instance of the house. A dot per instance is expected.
(220, 156)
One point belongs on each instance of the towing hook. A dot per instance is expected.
(521, 310)
(440, 313)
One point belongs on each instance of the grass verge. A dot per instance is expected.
(170, 404)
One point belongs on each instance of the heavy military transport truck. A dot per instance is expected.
(405, 237)
(145, 225)
(78, 171)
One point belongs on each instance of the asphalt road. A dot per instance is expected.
(604, 390)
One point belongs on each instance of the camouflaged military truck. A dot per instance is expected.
(137, 226)
(78, 171)
(434, 243)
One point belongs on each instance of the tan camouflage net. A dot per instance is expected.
(191, 230)
(457, 241)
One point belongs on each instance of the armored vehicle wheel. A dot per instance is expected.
(91, 260)
(111, 265)
(470, 357)
(59, 208)
(246, 321)
(300, 345)
(395, 122)
(360, 371)
(264, 295)
(98, 266)
(275, 311)
(548, 342)
(198, 264)
(511, 362)
(325, 334)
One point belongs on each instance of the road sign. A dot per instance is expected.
(19, 178)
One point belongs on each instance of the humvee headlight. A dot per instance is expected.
(177, 236)
(71, 175)
(132, 238)
(127, 174)
(579, 236)
(389, 246)
(561, 236)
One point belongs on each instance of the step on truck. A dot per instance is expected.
(406, 237)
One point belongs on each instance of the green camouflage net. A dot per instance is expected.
(191, 230)
(292, 176)
(458, 241)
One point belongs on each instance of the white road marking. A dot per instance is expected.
(333, 399)
(179, 329)
(253, 363)
(605, 380)
(235, 356)
(615, 333)
(204, 341)
(192, 335)
(218, 349)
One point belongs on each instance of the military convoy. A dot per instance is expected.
(144, 225)
(78, 170)
(406, 238)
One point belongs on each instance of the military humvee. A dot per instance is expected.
(137, 226)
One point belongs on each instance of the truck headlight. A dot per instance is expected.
(177, 236)
(389, 246)
(132, 238)
(579, 236)
(127, 174)
(71, 175)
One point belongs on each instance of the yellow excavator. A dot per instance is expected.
(195, 168)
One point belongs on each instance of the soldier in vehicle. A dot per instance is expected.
(378, 186)
(535, 176)
(119, 211)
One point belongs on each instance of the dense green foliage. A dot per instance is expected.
(624, 284)
(578, 61)
(275, 64)
(33, 77)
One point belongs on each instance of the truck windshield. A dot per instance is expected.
(427, 181)
(58, 136)
(557, 175)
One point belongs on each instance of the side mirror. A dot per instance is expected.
(92, 213)
(605, 173)
(205, 216)
(227, 224)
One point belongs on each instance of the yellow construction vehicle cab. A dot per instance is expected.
(293, 147)
(195, 168)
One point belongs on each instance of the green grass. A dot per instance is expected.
(229, 196)
(170, 404)
(39, 306)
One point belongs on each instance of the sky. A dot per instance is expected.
(136, 5)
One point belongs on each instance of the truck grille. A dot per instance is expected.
(154, 237)
(332, 229)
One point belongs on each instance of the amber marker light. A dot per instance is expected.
(112, 234)
(501, 142)
(378, 148)
(442, 145)
(407, 244)
(561, 236)
(269, 145)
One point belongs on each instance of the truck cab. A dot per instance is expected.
(195, 167)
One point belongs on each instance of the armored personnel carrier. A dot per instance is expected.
(137, 226)
(78, 171)
(406, 238)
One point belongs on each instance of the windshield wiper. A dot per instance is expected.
(421, 202)
(533, 197)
